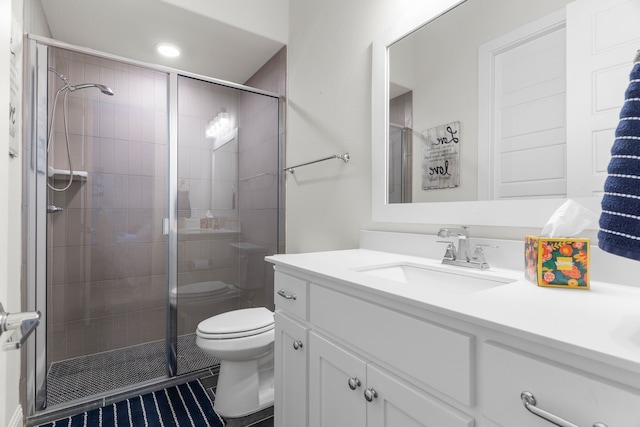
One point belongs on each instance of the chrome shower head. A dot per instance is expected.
(104, 89)
(68, 86)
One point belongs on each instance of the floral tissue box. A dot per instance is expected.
(557, 262)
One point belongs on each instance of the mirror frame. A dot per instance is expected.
(508, 213)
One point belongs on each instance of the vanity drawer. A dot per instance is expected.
(291, 294)
(434, 355)
(573, 395)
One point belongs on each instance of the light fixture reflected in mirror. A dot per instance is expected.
(219, 126)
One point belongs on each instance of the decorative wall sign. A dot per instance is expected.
(15, 88)
(441, 157)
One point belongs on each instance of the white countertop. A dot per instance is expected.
(602, 323)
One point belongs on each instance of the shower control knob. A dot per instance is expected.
(370, 394)
(354, 383)
(297, 345)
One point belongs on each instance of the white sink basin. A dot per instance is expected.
(454, 280)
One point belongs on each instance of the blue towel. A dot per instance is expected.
(620, 220)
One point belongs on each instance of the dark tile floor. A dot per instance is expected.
(100, 373)
(91, 375)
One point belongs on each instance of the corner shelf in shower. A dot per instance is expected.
(63, 174)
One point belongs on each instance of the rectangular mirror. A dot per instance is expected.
(534, 89)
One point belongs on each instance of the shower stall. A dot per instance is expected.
(151, 198)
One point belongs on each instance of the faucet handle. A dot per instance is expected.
(478, 255)
(450, 252)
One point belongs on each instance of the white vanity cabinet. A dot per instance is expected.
(291, 351)
(345, 389)
(350, 353)
(321, 382)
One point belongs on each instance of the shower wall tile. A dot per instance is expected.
(149, 322)
(58, 225)
(74, 301)
(75, 264)
(120, 328)
(107, 119)
(160, 91)
(76, 227)
(135, 192)
(106, 333)
(58, 334)
(147, 128)
(135, 89)
(75, 71)
(75, 118)
(135, 157)
(77, 195)
(57, 294)
(79, 150)
(147, 159)
(108, 253)
(121, 190)
(133, 336)
(121, 156)
(253, 224)
(102, 189)
(135, 123)
(147, 91)
(121, 86)
(121, 121)
(107, 155)
(160, 127)
(58, 266)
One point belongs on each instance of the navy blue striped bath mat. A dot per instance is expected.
(185, 405)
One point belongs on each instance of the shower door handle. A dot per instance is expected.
(19, 326)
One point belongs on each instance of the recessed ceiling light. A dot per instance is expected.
(168, 50)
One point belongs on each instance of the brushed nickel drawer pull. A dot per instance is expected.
(529, 402)
(285, 295)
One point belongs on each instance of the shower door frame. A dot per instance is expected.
(35, 215)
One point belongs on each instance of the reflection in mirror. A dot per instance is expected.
(536, 88)
(437, 68)
(500, 68)
(224, 176)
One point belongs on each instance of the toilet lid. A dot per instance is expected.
(236, 324)
(200, 288)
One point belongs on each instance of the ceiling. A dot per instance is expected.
(216, 40)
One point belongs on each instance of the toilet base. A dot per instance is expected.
(244, 387)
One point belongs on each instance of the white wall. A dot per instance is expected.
(10, 201)
(329, 111)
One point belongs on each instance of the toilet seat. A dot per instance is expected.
(200, 289)
(236, 324)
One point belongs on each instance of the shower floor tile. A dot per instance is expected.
(85, 376)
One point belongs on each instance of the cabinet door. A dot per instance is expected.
(336, 384)
(576, 396)
(397, 404)
(290, 407)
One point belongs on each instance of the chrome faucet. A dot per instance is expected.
(460, 255)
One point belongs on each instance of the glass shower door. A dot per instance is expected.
(228, 206)
(106, 250)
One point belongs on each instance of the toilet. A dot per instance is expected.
(243, 340)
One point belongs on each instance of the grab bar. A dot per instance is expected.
(344, 157)
(529, 402)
